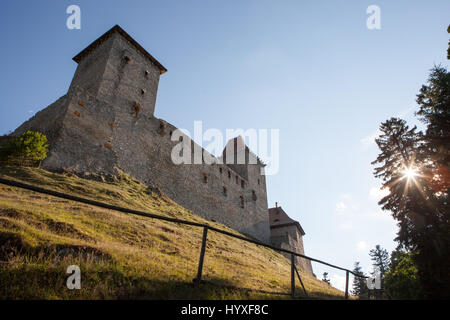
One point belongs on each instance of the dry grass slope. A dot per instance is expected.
(123, 256)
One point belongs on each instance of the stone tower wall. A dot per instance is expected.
(289, 238)
(116, 73)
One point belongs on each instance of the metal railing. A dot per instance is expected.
(205, 227)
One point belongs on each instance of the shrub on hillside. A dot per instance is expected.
(31, 146)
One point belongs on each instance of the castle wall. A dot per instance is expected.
(198, 187)
(98, 128)
(89, 143)
(90, 71)
(48, 121)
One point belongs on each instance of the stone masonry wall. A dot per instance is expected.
(97, 137)
(289, 238)
(97, 128)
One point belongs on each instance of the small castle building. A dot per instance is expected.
(288, 234)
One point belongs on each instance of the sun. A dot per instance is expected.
(409, 173)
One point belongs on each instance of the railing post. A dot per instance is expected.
(292, 277)
(346, 284)
(202, 255)
(301, 282)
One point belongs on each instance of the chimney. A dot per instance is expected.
(276, 204)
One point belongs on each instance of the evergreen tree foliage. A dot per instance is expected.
(448, 50)
(359, 287)
(402, 280)
(380, 259)
(414, 167)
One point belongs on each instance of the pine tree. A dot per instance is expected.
(380, 259)
(433, 238)
(380, 262)
(359, 287)
(399, 145)
(434, 112)
(414, 167)
(448, 50)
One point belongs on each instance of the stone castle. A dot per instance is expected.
(106, 121)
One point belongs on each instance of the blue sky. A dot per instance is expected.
(311, 69)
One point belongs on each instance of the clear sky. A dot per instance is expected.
(311, 69)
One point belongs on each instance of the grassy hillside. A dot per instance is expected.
(123, 256)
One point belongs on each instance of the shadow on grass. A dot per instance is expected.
(28, 282)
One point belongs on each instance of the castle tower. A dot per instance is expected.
(288, 234)
(111, 95)
(117, 70)
(241, 159)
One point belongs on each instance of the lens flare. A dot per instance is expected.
(409, 173)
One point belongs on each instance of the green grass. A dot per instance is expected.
(123, 256)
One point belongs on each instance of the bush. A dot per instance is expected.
(30, 146)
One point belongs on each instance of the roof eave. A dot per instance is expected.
(122, 32)
(295, 223)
